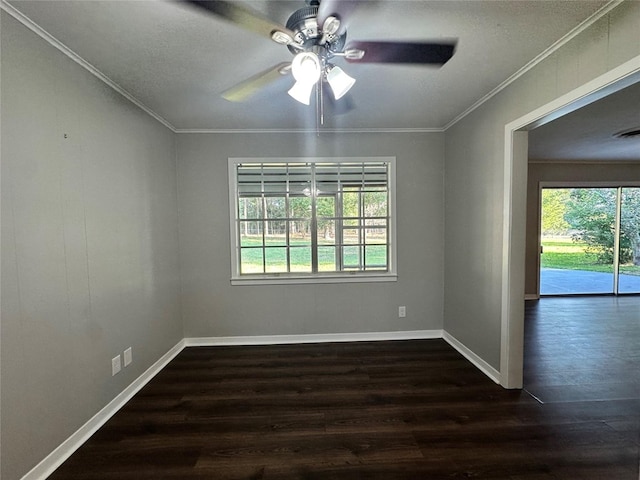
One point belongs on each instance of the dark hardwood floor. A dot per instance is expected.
(389, 410)
(583, 348)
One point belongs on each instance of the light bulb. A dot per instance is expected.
(306, 69)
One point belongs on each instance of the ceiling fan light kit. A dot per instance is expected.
(319, 44)
(315, 35)
(306, 70)
(339, 82)
(306, 67)
(283, 38)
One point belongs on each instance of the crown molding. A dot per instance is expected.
(46, 36)
(310, 130)
(577, 161)
(597, 15)
(34, 27)
(50, 39)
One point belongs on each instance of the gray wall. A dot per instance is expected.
(570, 173)
(89, 246)
(474, 176)
(212, 307)
(90, 250)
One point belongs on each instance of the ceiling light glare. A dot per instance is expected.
(306, 69)
(339, 82)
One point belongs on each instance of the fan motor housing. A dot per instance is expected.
(304, 24)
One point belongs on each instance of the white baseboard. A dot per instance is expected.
(71, 444)
(75, 441)
(312, 338)
(483, 366)
(531, 296)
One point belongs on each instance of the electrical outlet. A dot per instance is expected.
(402, 311)
(128, 357)
(115, 365)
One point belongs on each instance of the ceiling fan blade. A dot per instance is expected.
(400, 52)
(249, 87)
(245, 17)
(342, 9)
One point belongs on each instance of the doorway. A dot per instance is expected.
(590, 240)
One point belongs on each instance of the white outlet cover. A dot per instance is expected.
(128, 357)
(116, 366)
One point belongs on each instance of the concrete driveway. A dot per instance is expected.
(555, 281)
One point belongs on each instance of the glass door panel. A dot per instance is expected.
(629, 255)
(578, 232)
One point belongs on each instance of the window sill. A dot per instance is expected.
(314, 279)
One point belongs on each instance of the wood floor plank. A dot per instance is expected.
(387, 410)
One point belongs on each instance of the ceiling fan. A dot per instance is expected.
(316, 35)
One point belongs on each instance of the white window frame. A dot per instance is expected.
(389, 275)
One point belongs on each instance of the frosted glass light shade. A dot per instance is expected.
(340, 82)
(301, 91)
(306, 69)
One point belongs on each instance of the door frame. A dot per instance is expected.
(514, 207)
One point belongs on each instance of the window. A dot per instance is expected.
(312, 219)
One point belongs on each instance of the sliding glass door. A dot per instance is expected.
(590, 241)
(629, 251)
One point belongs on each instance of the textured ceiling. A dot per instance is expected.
(589, 133)
(177, 60)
